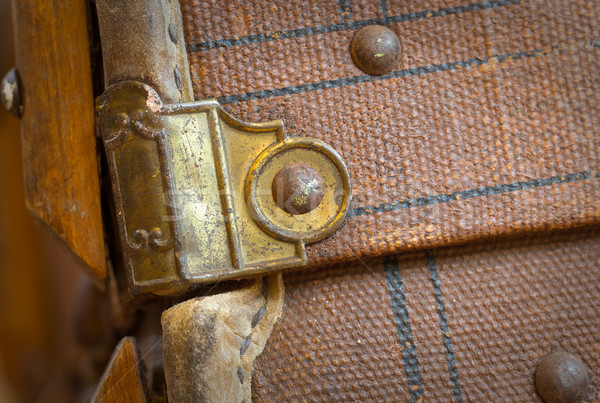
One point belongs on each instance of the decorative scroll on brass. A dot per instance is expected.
(192, 189)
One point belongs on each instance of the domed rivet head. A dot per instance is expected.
(561, 377)
(298, 188)
(376, 50)
(10, 93)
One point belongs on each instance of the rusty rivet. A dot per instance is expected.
(376, 50)
(10, 93)
(298, 188)
(561, 377)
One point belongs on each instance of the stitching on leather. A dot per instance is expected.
(258, 316)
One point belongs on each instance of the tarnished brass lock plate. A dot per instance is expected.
(316, 224)
(192, 190)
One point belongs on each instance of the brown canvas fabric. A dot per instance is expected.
(488, 130)
(455, 324)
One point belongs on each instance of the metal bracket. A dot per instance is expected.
(193, 195)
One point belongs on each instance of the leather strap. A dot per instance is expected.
(210, 343)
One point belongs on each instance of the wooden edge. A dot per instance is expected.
(122, 381)
(62, 186)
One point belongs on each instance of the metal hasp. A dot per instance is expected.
(192, 189)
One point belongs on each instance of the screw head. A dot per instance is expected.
(561, 377)
(376, 50)
(10, 93)
(298, 188)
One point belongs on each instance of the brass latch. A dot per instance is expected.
(200, 196)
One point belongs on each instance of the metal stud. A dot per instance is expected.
(10, 93)
(376, 50)
(561, 377)
(298, 188)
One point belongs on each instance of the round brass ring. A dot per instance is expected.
(312, 226)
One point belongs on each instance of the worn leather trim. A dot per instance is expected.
(210, 343)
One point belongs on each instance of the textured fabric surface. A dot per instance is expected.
(455, 324)
(487, 130)
(488, 127)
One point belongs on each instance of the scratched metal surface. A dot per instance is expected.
(490, 126)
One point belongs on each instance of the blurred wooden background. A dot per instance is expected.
(44, 336)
